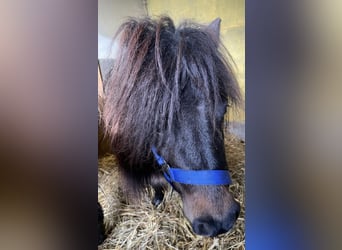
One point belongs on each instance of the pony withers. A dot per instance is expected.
(164, 109)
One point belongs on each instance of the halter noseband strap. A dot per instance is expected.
(194, 177)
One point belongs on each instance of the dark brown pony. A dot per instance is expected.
(170, 88)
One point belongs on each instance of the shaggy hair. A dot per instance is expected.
(155, 62)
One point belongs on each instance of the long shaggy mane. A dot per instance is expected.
(155, 62)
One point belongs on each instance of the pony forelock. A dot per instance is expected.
(155, 62)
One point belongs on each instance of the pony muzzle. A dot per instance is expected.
(203, 223)
(208, 226)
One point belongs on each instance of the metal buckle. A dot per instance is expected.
(165, 168)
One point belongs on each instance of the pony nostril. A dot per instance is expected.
(205, 226)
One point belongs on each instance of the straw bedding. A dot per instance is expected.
(144, 226)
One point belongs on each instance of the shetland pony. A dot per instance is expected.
(169, 90)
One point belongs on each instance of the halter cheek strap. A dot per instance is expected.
(194, 177)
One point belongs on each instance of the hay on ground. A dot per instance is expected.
(144, 226)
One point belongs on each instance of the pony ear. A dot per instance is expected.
(214, 29)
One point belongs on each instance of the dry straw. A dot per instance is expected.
(144, 226)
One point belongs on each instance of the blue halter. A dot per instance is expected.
(194, 177)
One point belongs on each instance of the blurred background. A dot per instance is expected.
(48, 135)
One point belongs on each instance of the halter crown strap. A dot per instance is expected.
(194, 177)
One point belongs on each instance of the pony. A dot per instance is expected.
(169, 90)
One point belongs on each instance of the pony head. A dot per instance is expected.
(170, 88)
